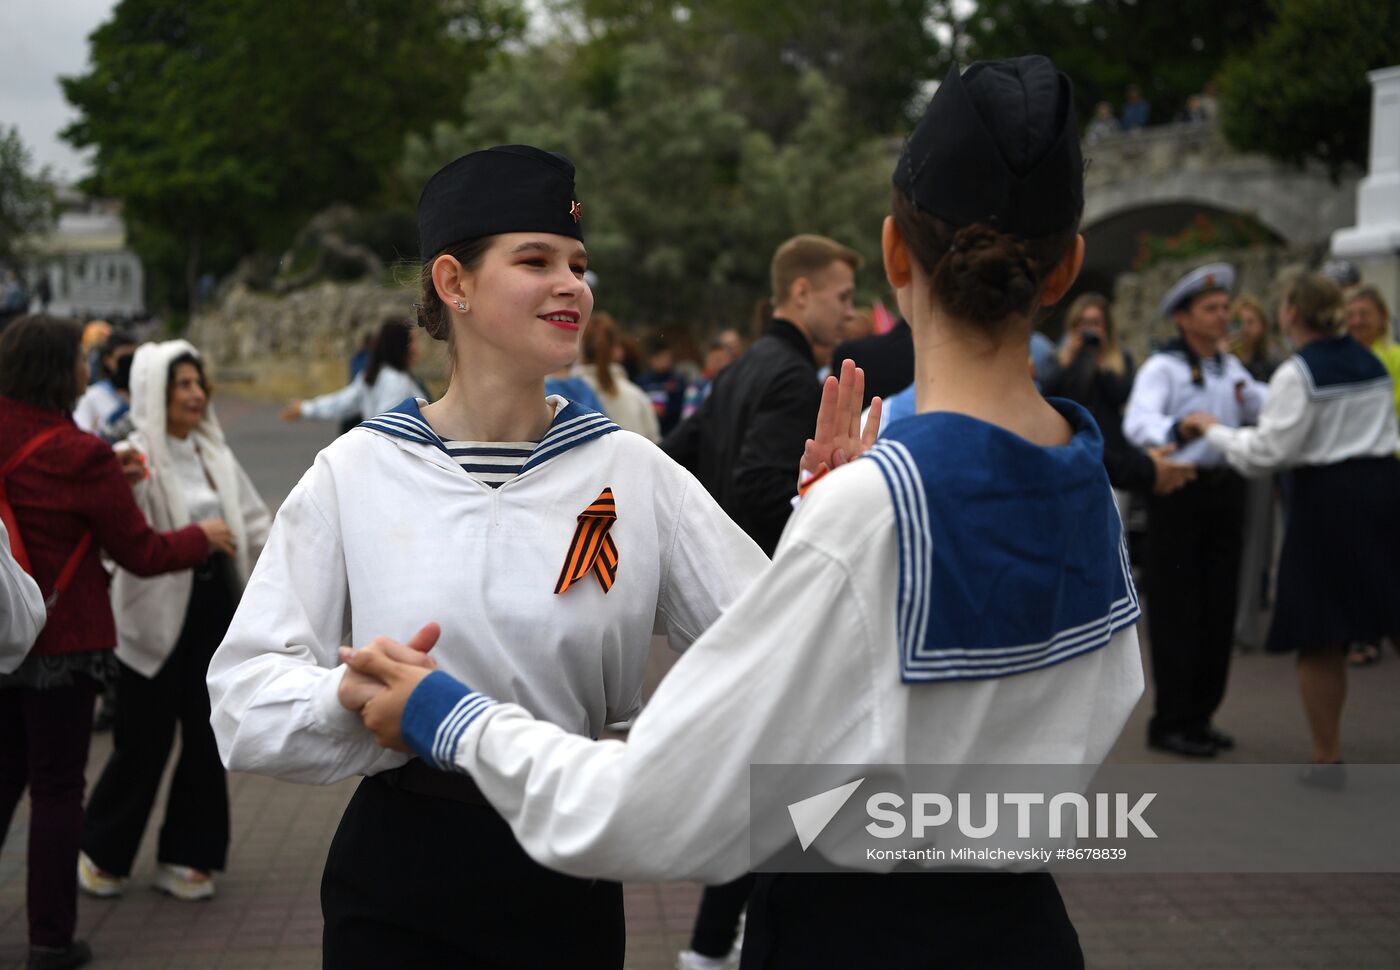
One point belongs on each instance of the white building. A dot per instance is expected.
(90, 270)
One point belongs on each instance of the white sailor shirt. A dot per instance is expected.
(1164, 392)
(22, 612)
(829, 659)
(1330, 402)
(386, 532)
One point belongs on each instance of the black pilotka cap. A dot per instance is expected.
(998, 144)
(509, 188)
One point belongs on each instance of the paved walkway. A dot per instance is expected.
(267, 913)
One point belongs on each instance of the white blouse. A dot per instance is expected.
(200, 498)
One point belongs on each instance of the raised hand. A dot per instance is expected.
(839, 436)
(357, 689)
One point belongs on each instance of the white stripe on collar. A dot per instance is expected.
(573, 425)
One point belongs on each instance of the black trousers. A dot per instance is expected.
(195, 832)
(909, 921)
(44, 738)
(717, 922)
(1194, 541)
(418, 881)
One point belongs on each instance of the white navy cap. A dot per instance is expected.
(1212, 276)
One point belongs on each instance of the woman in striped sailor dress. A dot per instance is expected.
(528, 528)
(957, 596)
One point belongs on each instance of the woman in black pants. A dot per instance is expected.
(167, 629)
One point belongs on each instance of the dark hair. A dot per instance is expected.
(433, 315)
(390, 347)
(600, 340)
(977, 273)
(115, 341)
(185, 358)
(39, 360)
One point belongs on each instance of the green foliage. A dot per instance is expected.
(876, 52)
(684, 197)
(26, 199)
(223, 125)
(1169, 49)
(1301, 92)
(1203, 236)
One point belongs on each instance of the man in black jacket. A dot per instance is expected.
(886, 358)
(745, 443)
(746, 440)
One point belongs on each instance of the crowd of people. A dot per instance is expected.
(460, 594)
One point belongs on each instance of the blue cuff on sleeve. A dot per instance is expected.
(438, 711)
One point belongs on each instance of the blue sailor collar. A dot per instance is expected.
(1337, 366)
(1011, 556)
(573, 425)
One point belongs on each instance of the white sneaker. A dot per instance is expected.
(181, 882)
(690, 960)
(95, 882)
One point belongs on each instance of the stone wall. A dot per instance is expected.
(298, 345)
(1172, 164)
(1137, 296)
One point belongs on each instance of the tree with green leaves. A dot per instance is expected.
(685, 198)
(223, 125)
(1301, 92)
(876, 52)
(1170, 50)
(26, 200)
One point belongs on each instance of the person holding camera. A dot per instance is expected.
(1098, 373)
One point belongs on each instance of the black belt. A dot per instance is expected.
(418, 778)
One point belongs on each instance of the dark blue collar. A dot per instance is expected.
(572, 426)
(1335, 366)
(1011, 556)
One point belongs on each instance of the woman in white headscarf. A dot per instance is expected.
(167, 629)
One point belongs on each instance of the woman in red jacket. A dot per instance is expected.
(68, 493)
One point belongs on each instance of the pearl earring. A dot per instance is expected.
(461, 306)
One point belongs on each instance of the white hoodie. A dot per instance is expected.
(150, 612)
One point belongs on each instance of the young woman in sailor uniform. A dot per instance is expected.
(958, 596)
(1330, 418)
(546, 545)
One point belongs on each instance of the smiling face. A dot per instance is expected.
(186, 400)
(1364, 320)
(527, 303)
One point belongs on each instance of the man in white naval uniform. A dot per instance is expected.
(1194, 535)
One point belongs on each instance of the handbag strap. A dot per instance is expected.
(7, 515)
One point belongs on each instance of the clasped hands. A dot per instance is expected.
(380, 678)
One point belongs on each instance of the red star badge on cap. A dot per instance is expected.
(576, 210)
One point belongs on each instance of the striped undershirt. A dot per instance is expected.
(491, 462)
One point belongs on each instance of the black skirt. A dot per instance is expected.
(1339, 572)
(909, 921)
(418, 881)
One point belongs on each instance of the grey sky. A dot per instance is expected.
(40, 40)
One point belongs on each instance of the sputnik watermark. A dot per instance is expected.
(1120, 818)
(1109, 815)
